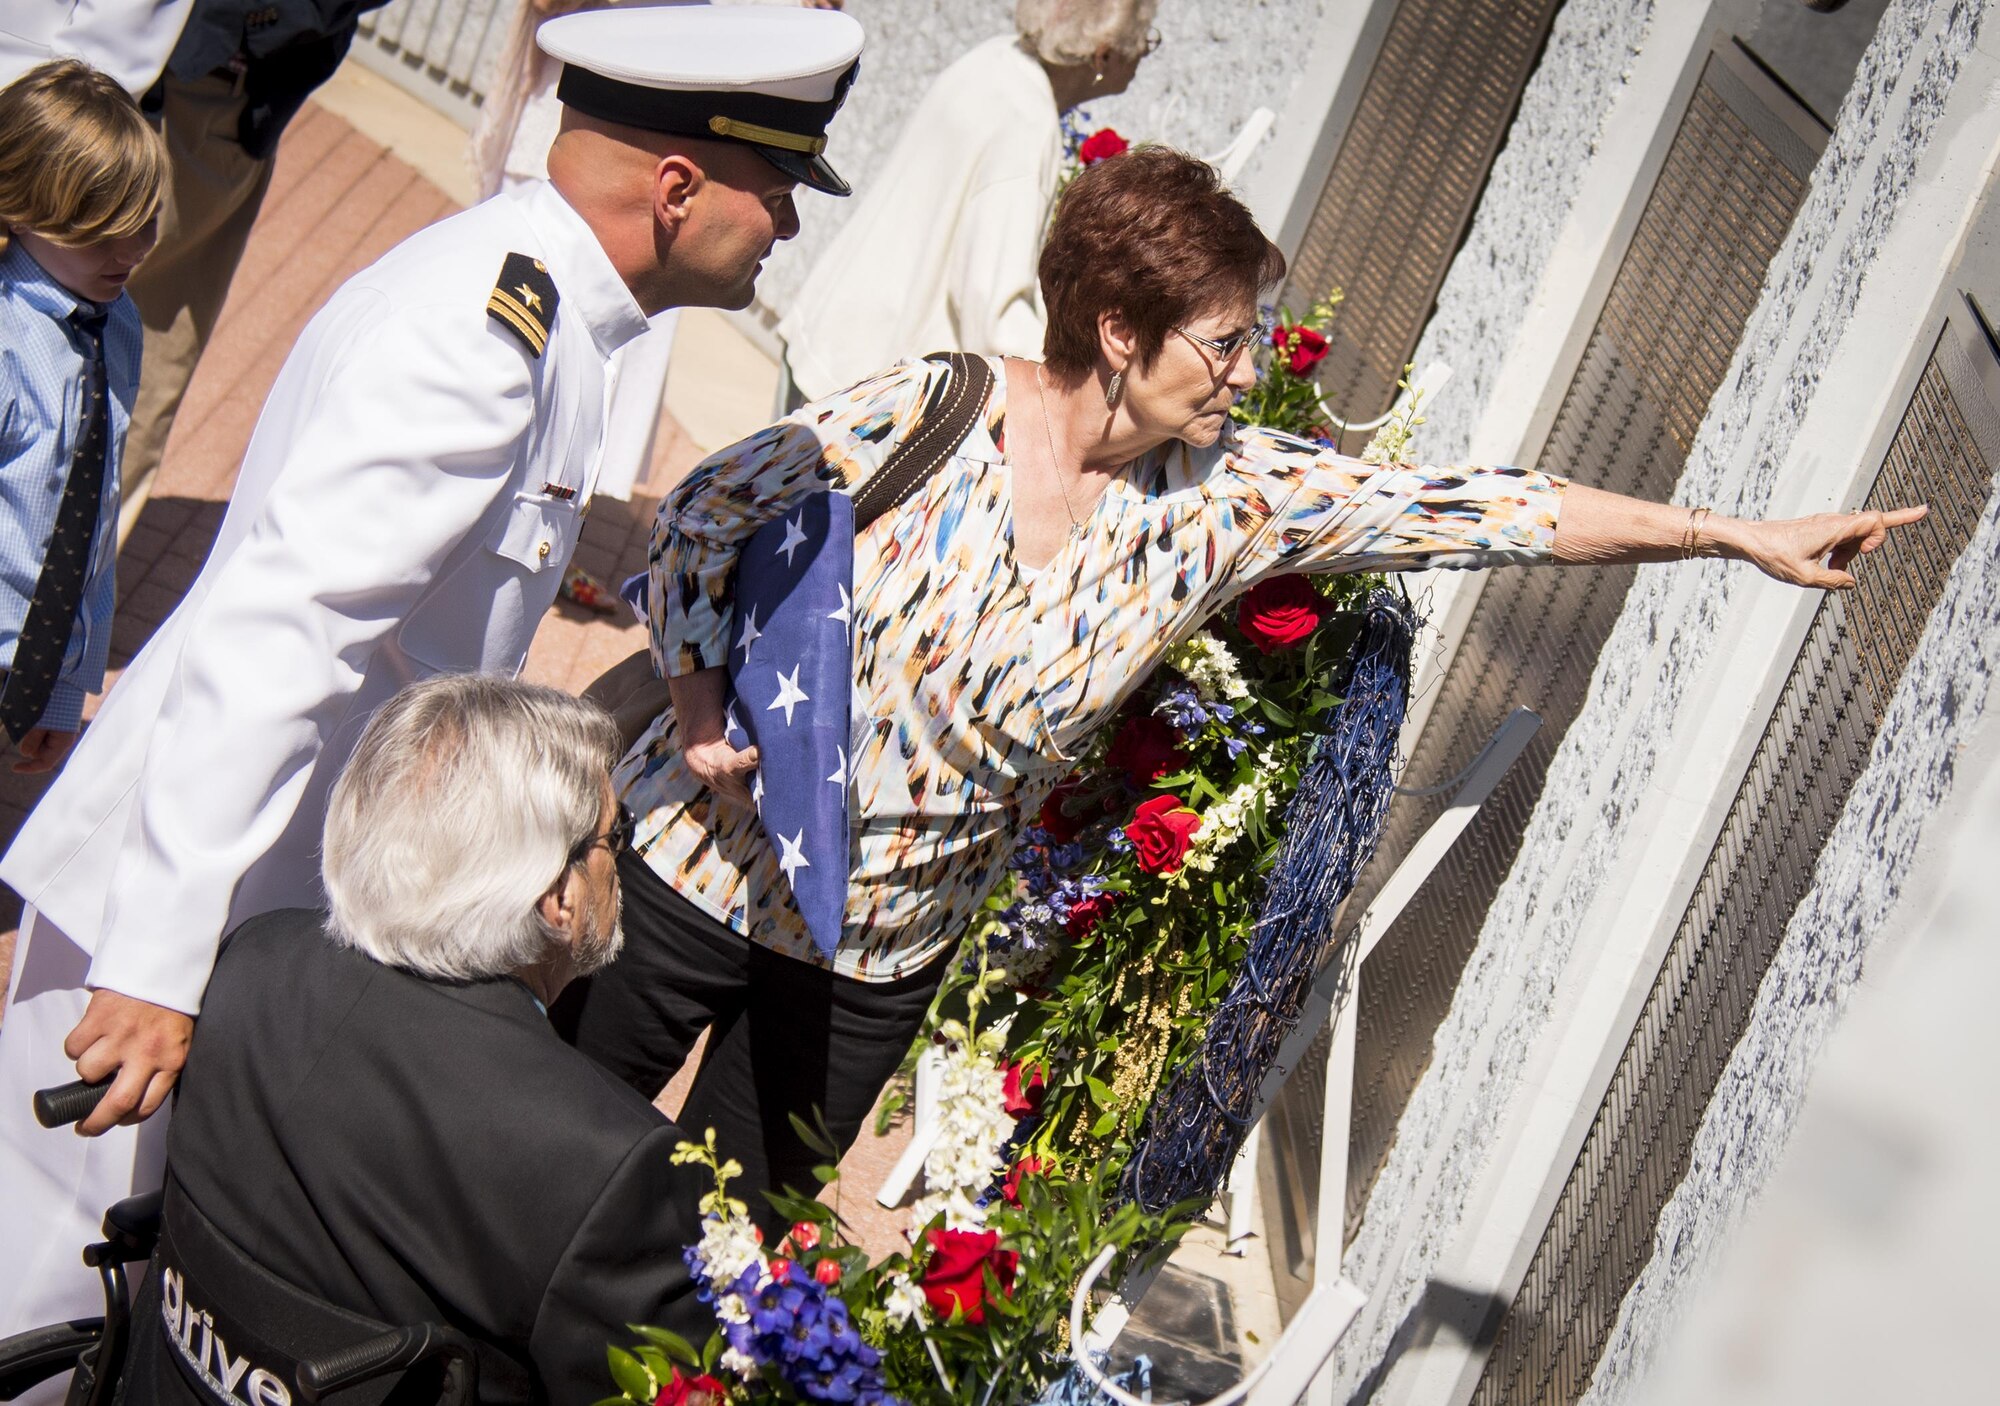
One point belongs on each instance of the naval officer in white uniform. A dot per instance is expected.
(406, 506)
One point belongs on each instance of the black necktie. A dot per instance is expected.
(44, 638)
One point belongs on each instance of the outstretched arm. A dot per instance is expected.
(1601, 529)
(1341, 514)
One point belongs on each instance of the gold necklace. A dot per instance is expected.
(1055, 464)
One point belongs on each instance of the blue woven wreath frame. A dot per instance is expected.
(1197, 1124)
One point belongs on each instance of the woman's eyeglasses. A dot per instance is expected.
(1227, 347)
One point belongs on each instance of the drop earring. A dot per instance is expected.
(1114, 390)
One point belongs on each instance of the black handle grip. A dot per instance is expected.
(389, 1352)
(68, 1103)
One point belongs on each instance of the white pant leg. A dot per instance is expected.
(54, 1185)
(631, 420)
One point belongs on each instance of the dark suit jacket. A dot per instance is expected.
(417, 1150)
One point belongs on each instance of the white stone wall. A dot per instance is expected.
(1657, 678)
(1864, 1273)
(1218, 64)
(1534, 182)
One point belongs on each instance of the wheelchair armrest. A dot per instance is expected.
(131, 1230)
(393, 1351)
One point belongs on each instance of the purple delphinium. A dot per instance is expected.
(1075, 132)
(1036, 923)
(1189, 714)
(802, 1333)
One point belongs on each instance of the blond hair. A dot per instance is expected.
(1070, 32)
(79, 164)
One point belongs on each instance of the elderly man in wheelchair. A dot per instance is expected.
(387, 1178)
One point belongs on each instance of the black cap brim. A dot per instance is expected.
(806, 170)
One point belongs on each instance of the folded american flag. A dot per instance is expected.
(791, 673)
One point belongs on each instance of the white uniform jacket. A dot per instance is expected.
(409, 499)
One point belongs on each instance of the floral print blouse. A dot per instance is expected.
(977, 683)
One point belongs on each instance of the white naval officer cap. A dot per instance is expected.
(769, 77)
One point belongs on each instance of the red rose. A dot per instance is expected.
(1100, 144)
(1160, 832)
(1145, 749)
(827, 1272)
(1063, 817)
(1279, 612)
(1021, 1090)
(1308, 349)
(1085, 913)
(956, 1274)
(1010, 1189)
(781, 1270)
(703, 1390)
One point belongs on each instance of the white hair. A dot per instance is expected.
(1066, 33)
(460, 808)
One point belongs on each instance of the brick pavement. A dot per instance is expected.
(337, 202)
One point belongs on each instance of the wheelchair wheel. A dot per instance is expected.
(41, 1353)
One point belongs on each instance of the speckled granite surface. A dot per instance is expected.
(1663, 640)
(1216, 65)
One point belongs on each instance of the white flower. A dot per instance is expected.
(1221, 825)
(1391, 444)
(1020, 964)
(741, 1364)
(728, 1247)
(730, 1308)
(973, 1126)
(905, 1302)
(959, 1210)
(1205, 661)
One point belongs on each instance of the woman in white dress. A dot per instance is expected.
(939, 252)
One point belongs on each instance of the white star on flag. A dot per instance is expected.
(794, 856)
(757, 788)
(795, 538)
(751, 634)
(789, 694)
(844, 615)
(839, 777)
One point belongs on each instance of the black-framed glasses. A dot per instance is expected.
(617, 839)
(1227, 347)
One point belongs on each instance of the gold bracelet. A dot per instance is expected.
(1691, 543)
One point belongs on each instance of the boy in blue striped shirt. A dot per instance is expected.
(81, 176)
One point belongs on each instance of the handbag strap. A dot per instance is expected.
(947, 418)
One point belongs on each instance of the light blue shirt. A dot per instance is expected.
(43, 381)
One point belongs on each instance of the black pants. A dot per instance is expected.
(784, 1036)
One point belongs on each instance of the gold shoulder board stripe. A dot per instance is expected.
(524, 301)
(511, 313)
(766, 136)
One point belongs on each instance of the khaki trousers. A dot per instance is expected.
(214, 190)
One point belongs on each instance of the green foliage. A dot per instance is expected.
(1111, 1012)
(1057, 1229)
(1284, 398)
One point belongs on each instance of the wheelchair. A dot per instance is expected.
(235, 1334)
